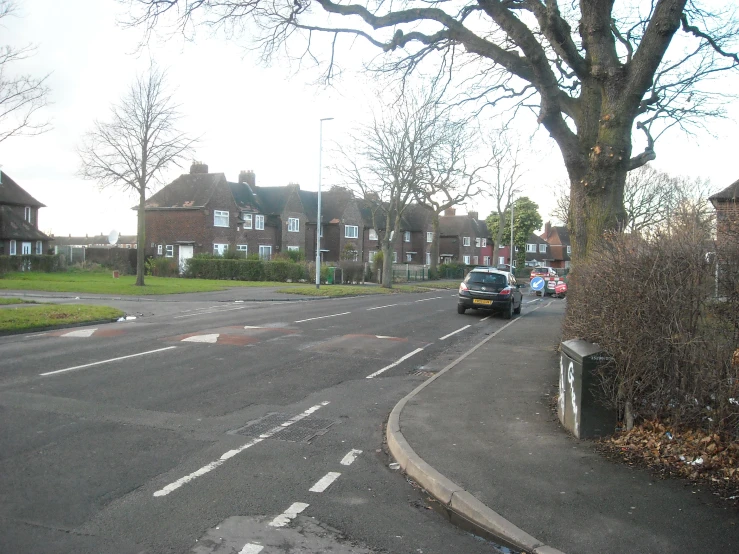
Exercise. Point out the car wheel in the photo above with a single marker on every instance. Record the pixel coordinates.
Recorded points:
(518, 310)
(461, 309)
(508, 313)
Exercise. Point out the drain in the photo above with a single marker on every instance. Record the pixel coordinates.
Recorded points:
(304, 430)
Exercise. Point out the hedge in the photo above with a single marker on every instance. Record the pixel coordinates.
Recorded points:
(245, 270)
(34, 262)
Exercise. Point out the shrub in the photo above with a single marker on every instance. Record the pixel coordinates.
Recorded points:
(353, 271)
(453, 270)
(216, 267)
(34, 262)
(162, 267)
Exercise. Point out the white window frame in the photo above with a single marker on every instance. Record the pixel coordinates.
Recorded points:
(372, 234)
(501, 259)
(465, 241)
(409, 257)
(542, 248)
(219, 248)
(428, 258)
(259, 222)
(429, 236)
(265, 248)
(531, 248)
(466, 260)
(12, 248)
(27, 212)
(478, 242)
(406, 236)
(219, 217)
(159, 249)
(474, 260)
(395, 256)
(293, 225)
(484, 242)
(371, 256)
(242, 248)
(169, 251)
(247, 220)
(321, 233)
(486, 260)
(39, 247)
(293, 248)
(348, 235)
(569, 249)
(354, 255)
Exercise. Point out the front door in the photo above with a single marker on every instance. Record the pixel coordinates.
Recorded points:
(185, 254)
(26, 248)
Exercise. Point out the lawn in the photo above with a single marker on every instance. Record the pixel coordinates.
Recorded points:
(7, 301)
(41, 316)
(356, 290)
(104, 283)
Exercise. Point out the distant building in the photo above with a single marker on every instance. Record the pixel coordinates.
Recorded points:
(19, 233)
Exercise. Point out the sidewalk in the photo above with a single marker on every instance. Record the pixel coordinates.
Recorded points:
(482, 437)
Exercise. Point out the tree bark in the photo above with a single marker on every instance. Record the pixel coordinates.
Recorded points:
(435, 243)
(141, 239)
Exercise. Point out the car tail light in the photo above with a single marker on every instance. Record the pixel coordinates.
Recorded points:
(463, 287)
(505, 291)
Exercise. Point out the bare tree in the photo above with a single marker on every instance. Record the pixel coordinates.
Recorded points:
(136, 145)
(592, 71)
(21, 95)
(388, 162)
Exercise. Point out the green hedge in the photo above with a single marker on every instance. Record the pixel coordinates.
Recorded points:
(245, 270)
(45, 264)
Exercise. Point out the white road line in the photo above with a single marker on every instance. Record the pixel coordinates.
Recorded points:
(381, 307)
(350, 457)
(325, 481)
(106, 361)
(454, 333)
(288, 515)
(231, 453)
(401, 360)
(487, 317)
(80, 333)
(322, 317)
(211, 312)
(211, 338)
(426, 299)
(250, 548)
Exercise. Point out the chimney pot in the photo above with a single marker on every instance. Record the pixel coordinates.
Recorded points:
(248, 177)
(198, 167)
(473, 215)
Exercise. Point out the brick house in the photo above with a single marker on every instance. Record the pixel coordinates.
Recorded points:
(463, 238)
(726, 204)
(538, 252)
(19, 233)
(343, 226)
(560, 249)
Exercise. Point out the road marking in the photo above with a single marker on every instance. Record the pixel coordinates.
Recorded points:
(487, 317)
(231, 453)
(250, 548)
(381, 307)
(80, 333)
(321, 317)
(325, 481)
(288, 515)
(454, 333)
(212, 338)
(211, 312)
(401, 360)
(350, 457)
(427, 299)
(106, 361)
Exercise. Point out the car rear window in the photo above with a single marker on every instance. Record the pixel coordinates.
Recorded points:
(487, 279)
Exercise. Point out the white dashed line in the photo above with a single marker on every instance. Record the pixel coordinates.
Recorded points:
(212, 338)
(325, 481)
(211, 312)
(380, 307)
(322, 317)
(484, 318)
(80, 333)
(454, 333)
(231, 453)
(427, 299)
(106, 361)
(350, 457)
(250, 548)
(288, 515)
(384, 369)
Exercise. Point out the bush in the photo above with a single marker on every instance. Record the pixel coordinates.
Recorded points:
(35, 262)
(353, 271)
(162, 267)
(215, 267)
(453, 270)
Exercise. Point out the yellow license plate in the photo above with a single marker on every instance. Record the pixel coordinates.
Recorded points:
(483, 302)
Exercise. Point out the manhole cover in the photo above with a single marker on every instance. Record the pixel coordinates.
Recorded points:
(304, 430)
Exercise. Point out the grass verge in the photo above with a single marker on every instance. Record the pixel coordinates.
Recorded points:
(334, 291)
(6, 301)
(30, 318)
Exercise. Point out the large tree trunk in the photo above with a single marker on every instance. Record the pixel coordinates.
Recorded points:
(141, 240)
(435, 244)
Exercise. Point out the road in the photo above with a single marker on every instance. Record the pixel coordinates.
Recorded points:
(225, 426)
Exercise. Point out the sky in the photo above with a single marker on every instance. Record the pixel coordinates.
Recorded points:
(249, 117)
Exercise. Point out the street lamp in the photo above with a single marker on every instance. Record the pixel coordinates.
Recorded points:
(318, 226)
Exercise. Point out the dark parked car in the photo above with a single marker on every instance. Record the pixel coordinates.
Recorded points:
(490, 289)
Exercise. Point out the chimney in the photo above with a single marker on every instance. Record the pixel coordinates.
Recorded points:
(473, 215)
(450, 211)
(547, 229)
(198, 167)
(248, 177)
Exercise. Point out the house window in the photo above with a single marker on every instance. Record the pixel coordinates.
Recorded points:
(265, 252)
(12, 248)
(465, 241)
(170, 251)
(39, 247)
(478, 241)
(159, 249)
(247, 220)
(514, 263)
(501, 259)
(259, 222)
(429, 237)
(428, 258)
(484, 242)
(466, 260)
(351, 231)
(352, 255)
(220, 218)
(486, 260)
(372, 234)
(220, 249)
(531, 248)
(293, 248)
(242, 248)
(321, 234)
(409, 257)
(542, 248)
(569, 249)
(371, 256)
(293, 225)
(395, 257)
(474, 260)
(407, 236)
(27, 214)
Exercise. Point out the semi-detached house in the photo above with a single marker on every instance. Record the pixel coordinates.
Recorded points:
(19, 233)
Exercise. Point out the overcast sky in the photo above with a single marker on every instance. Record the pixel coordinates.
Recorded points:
(250, 117)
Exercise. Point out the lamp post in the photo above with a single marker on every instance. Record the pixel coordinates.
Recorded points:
(512, 251)
(318, 224)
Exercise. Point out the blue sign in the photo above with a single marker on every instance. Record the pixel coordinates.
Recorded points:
(537, 283)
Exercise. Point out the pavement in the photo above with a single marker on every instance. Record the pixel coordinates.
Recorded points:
(483, 438)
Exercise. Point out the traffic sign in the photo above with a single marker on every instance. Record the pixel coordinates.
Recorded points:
(537, 283)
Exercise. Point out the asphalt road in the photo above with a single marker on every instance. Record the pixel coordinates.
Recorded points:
(218, 426)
